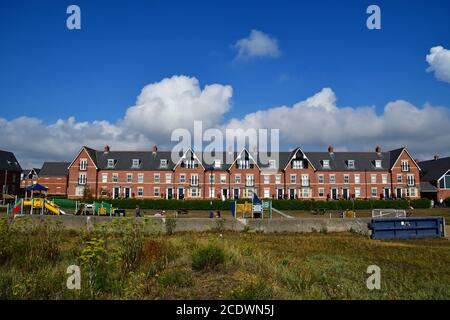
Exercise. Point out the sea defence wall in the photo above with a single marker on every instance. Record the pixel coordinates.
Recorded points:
(159, 225)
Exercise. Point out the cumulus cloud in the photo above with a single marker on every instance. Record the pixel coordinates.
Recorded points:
(177, 101)
(318, 121)
(258, 44)
(439, 61)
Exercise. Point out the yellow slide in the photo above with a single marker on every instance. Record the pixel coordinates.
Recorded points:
(50, 206)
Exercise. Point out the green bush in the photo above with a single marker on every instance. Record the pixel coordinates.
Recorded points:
(423, 203)
(175, 278)
(207, 258)
(163, 204)
(447, 202)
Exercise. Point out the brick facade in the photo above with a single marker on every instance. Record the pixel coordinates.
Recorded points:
(297, 178)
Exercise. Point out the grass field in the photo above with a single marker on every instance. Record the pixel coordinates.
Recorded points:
(126, 264)
(441, 212)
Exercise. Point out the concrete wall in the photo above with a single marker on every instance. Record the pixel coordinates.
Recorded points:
(155, 225)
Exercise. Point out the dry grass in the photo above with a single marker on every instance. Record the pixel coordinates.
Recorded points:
(256, 266)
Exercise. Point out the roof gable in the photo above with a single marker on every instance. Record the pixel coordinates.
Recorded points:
(9, 162)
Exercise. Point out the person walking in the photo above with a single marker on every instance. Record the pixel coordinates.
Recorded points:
(138, 211)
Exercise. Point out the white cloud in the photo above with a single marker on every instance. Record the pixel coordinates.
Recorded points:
(258, 44)
(318, 121)
(176, 102)
(439, 61)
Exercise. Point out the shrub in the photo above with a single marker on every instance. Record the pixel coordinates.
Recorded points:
(447, 202)
(422, 203)
(94, 261)
(175, 278)
(252, 290)
(207, 258)
(170, 224)
(163, 204)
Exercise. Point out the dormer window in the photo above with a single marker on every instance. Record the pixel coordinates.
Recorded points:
(351, 164)
(326, 164)
(136, 163)
(297, 164)
(217, 163)
(111, 163)
(163, 163)
(272, 164)
(378, 164)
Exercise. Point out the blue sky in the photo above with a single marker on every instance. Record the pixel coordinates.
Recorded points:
(49, 72)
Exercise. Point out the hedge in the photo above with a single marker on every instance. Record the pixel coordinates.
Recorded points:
(422, 203)
(447, 202)
(162, 204)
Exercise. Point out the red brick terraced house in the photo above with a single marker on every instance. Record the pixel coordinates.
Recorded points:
(53, 175)
(435, 178)
(10, 171)
(285, 175)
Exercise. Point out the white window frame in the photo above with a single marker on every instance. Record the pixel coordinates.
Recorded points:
(110, 164)
(297, 164)
(115, 177)
(83, 164)
(140, 191)
(136, 163)
(321, 192)
(351, 164)
(332, 178)
(82, 178)
(357, 178)
(140, 178)
(292, 178)
(378, 164)
(405, 165)
(157, 178)
(326, 164)
(321, 179)
(104, 178)
(129, 178)
(272, 164)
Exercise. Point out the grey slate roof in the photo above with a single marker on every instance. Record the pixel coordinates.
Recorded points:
(426, 186)
(9, 162)
(432, 170)
(54, 169)
(338, 160)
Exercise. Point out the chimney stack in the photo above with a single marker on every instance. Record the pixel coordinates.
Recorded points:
(330, 149)
(436, 157)
(155, 148)
(106, 150)
(378, 149)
